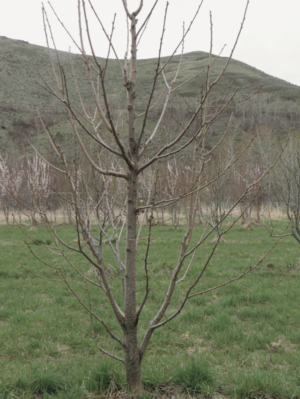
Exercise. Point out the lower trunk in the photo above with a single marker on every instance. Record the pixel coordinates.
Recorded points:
(132, 356)
(132, 361)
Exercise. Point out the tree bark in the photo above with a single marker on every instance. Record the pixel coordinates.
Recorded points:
(132, 360)
(132, 356)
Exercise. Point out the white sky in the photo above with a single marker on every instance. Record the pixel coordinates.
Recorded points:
(270, 39)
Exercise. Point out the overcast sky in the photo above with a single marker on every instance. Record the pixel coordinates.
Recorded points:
(270, 40)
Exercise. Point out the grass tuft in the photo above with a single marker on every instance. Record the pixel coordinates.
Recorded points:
(98, 379)
(195, 376)
(40, 381)
(261, 384)
(39, 241)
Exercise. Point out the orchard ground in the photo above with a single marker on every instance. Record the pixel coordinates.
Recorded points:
(241, 341)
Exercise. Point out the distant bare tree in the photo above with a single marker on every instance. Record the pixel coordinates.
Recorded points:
(11, 179)
(286, 184)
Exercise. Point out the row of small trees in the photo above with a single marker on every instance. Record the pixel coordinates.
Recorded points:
(30, 180)
(25, 182)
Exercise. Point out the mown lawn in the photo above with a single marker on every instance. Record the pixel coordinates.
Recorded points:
(244, 337)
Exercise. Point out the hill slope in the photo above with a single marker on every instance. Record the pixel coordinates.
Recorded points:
(277, 104)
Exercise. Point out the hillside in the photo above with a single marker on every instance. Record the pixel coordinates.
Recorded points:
(277, 104)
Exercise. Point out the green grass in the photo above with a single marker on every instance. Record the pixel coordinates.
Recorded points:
(242, 340)
(39, 381)
(39, 241)
(195, 376)
(98, 379)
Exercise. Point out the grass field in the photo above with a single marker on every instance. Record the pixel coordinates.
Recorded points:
(241, 341)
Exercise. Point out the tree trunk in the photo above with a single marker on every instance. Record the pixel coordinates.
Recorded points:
(132, 360)
(132, 356)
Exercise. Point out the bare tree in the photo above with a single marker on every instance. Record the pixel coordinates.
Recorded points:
(125, 155)
(173, 190)
(11, 180)
(286, 185)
